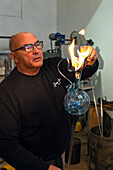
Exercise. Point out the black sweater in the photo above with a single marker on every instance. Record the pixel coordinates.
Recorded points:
(34, 126)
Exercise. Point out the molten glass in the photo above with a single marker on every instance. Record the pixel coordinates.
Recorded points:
(76, 102)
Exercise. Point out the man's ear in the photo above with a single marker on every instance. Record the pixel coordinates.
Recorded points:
(13, 56)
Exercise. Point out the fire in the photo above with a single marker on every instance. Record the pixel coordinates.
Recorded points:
(77, 62)
(82, 32)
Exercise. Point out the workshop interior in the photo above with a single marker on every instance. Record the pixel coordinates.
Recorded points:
(91, 142)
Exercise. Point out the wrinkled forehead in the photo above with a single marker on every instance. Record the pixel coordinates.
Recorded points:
(21, 39)
(27, 38)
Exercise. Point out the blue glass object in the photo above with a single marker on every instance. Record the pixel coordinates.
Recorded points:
(76, 102)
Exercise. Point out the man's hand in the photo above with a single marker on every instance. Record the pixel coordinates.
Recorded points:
(92, 54)
(51, 167)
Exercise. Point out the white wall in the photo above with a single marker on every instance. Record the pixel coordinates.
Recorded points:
(96, 16)
(100, 28)
(74, 14)
(37, 16)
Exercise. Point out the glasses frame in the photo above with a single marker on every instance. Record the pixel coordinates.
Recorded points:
(41, 44)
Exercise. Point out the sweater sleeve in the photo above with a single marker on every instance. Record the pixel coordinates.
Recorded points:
(89, 71)
(10, 148)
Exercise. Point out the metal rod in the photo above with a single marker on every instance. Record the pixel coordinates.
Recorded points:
(94, 98)
(71, 140)
(101, 118)
(101, 104)
(77, 79)
(5, 36)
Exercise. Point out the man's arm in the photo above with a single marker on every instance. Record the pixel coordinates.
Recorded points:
(91, 62)
(88, 71)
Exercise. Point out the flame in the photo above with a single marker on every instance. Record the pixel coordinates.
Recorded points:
(77, 62)
(82, 32)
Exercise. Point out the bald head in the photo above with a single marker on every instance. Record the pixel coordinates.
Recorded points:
(18, 39)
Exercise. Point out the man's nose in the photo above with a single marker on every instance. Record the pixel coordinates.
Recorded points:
(35, 49)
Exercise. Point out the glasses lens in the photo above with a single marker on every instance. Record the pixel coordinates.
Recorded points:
(29, 48)
(39, 45)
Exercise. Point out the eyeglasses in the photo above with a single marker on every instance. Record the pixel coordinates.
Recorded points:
(30, 47)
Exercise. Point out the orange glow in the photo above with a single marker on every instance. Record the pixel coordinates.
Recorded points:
(82, 32)
(77, 62)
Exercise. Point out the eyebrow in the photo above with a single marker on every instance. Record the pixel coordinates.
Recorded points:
(32, 44)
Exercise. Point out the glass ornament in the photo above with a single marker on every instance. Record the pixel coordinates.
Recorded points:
(76, 102)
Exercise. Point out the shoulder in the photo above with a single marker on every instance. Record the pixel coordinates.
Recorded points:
(10, 77)
(10, 82)
(53, 60)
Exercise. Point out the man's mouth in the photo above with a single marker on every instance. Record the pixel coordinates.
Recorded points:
(37, 58)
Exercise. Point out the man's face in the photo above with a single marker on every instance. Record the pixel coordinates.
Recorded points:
(27, 62)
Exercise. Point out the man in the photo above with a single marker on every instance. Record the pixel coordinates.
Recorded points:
(34, 127)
